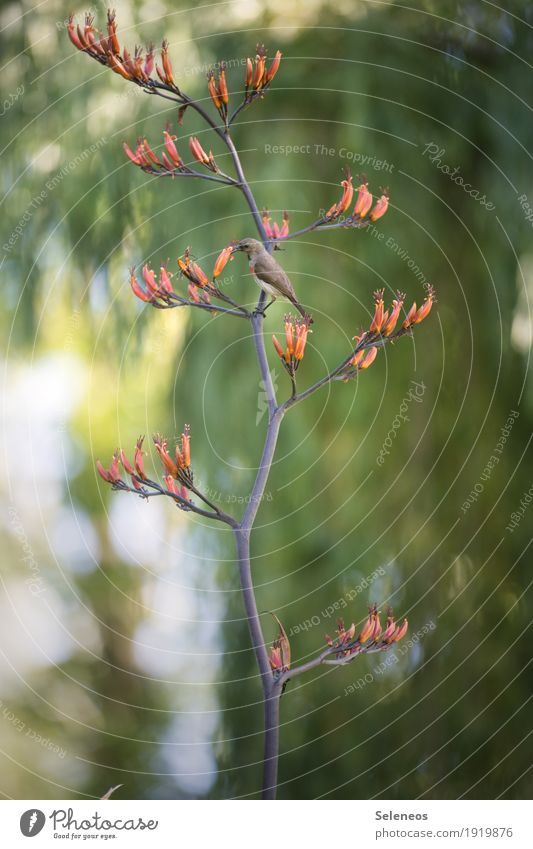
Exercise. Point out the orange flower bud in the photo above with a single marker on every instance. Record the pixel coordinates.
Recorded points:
(346, 199)
(277, 346)
(302, 329)
(126, 463)
(361, 197)
(275, 657)
(133, 156)
(222, 260)
(390, 324)
(167, 163)
(172, 149)
(165, 280)
(167, 65)
(149, 279)
(377, 321)
(137, 290)
(197, 151)
(213, 91)
(410, 317)
(272, 71)
(117, 66)
(103, 472)
(149, 152)
(193, 293)
(166, 459)
(199, 277)
(149, 61)
(222, 85)
(401, 631)
(176, 488)
(425, 309)
(249, 73)
(112, 33)
(356, 359)
(72, 34)
(390, 629)
(289, 335)
(368, 628)
(259, 72)
(138, 458)
(285, 226)
(369, 359)
(380, 208)
(186, 446)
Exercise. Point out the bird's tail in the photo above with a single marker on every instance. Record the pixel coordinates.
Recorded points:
(301, 310)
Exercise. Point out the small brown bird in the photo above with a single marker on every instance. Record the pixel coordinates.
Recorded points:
(269, 274)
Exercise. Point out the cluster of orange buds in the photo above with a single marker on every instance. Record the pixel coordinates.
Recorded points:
(258, 77)
(136, 471)
(384, 323)
(383, 327)
(155, 290)
(280, 651)
(146, 159)
(107, 50)
(274, 231)
(364, 200)
(364, 357)
(199, 284)
(363, 213)
(218, 90)
(372, 637)
(296, 331)
(177, 468)
(201, 156)
(345, 201)
(415, 316)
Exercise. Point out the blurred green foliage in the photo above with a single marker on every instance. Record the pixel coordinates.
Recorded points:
(381, 82)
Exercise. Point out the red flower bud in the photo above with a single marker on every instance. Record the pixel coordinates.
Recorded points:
(126, 463)
(165, 280)
(138, 458)
(172, 149)
(103, 472)
(135, 158)
(137, 290)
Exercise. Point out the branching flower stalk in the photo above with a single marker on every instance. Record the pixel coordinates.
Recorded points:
(201, 291)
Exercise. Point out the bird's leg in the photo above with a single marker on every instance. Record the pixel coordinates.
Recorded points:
(263, 311)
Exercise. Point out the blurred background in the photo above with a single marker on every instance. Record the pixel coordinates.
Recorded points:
(124, 655)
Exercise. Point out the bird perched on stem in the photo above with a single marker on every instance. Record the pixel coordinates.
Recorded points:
(269, 274)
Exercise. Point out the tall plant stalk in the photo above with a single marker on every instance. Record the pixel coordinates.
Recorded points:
(275, 667)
